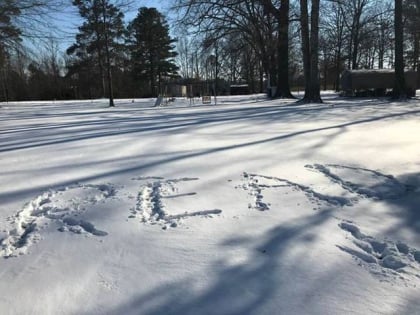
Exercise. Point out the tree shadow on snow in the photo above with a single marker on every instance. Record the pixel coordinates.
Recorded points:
(107, 124)
(407, 208)
(176, 121)
(251, 286)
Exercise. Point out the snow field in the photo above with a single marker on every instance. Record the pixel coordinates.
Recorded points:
(247, 207)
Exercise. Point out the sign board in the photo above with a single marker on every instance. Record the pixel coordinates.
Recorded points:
(206, 99)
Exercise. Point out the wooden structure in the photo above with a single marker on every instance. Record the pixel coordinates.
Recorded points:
(374, 82)
(239, 89)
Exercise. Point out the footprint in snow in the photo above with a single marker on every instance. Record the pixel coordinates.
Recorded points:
(152, 197)
(381, 257)
(62, 207)
(256, 184)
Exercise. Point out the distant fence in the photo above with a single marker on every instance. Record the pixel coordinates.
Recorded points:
(374, 82)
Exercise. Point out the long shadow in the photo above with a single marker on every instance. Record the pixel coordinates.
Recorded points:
(259, 285)
(407, 208)
(186, 154)
(75, 131)
(263, 273)
(411, 306)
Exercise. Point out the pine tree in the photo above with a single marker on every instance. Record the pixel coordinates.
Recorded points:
(99, 38)
(151, 48)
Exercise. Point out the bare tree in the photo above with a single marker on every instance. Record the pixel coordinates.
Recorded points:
(357, 8)
(355, 34)
(261, 25)
(333, 25)
(36, 19)
(361, 20)
(53, 66)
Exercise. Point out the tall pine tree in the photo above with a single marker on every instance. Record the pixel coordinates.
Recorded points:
(151, 49)
(99, 39)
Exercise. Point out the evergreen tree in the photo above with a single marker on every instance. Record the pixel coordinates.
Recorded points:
(151, 48)
(98, 39)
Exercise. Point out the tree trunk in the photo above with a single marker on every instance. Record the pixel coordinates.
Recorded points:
(108, 58)
(337, 69)
(418, 46)
(399, 91)
(416, 65)
(355, 49)
(283, 87)
(280, 77)
(381, 53)
(109, 75)
(310, 51)
(304, 20)
(101, 73)
(416, 51)
(261, 74)
(216, 72)
(314, 49)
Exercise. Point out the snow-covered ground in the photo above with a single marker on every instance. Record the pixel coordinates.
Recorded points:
(250, 206)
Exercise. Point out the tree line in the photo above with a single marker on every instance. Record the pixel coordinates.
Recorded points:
(108, 57)
(303, 43)
(284, 44)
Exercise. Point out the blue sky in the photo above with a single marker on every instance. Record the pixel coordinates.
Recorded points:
(68, 20)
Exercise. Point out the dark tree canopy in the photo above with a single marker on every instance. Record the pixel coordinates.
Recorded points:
(151, 49)
(99, 40)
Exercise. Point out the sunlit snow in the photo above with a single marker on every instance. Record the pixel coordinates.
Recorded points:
(250, 206)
